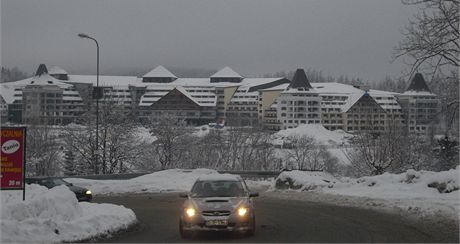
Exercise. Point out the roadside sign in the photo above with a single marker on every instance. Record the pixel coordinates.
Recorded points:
(13, 142)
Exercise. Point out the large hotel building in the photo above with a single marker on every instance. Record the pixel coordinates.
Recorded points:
(55, 97)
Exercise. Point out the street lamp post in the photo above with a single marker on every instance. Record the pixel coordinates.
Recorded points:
(97, 96)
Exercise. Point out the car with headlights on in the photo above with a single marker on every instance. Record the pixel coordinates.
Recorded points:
(81, 193)
(218, 202)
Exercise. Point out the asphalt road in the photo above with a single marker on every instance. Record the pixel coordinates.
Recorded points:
(278, 220)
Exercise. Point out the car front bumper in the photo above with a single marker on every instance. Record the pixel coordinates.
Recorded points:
(235, 224)
(84, 197)
(229, 228)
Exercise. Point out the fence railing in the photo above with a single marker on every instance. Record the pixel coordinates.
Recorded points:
(125, 176)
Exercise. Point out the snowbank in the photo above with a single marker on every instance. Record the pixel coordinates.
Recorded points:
(412, 184)
(166, 180)
(317, 131)
(55, 215)
(304, 180)
(424, 192)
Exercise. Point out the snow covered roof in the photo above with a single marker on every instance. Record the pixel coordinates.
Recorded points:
(352, 99)
(7, 92)
(56, 70)
(277, 88)
(387, 100)
(160, 72)
(417, 93)
(41, 78)
(105, 80)
(47, 80)
(226, 72)
(206, 82)
(203, 97)
(334, 88)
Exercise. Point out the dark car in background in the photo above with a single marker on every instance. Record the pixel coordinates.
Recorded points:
(81, 193)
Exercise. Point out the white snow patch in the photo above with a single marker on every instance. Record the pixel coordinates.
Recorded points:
(408, 191)
(307, 180)
(201, 131)
(161, 181)
(55, 215)
(317, 131)
(144, 135)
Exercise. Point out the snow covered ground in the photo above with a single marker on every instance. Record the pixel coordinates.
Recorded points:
(402, 192)
(317, 131)
(407, 192)
(55, 215)
(162, 181)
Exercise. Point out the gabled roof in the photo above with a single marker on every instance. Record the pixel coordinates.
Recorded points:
(160, 72)
(226, 73)
(300, 80)
(418, 84)
(355, 98)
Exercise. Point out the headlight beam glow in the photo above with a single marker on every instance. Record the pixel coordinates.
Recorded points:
(242, 211)
(190, 212)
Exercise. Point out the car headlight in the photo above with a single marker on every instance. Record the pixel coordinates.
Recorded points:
(242, 211)
(88, 192)
(190, 212)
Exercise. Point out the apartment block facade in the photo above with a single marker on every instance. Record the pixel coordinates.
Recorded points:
(56, 97)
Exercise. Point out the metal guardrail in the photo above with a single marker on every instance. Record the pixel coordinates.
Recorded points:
(125, 176)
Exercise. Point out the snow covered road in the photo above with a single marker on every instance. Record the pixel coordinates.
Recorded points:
(283, 220)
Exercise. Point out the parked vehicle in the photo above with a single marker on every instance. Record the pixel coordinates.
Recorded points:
(218, 203)
(81, 193)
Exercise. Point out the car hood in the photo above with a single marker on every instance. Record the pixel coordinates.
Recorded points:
(217, 203)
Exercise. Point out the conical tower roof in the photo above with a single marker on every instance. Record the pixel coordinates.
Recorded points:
(41, 70)
(418, 84)
(300, 80)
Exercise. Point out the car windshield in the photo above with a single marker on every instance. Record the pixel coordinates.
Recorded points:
(218, 189)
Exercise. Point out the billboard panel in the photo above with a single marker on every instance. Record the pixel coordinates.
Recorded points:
(12, 143)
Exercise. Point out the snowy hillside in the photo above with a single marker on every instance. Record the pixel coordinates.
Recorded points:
(55, 215)
(317, 131)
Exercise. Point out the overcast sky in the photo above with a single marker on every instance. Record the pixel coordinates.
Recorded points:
(254, 37)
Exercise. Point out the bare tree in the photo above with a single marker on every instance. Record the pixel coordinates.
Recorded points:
(413, 152)
(43, 150)
(373, 154)
(117, 148)
(169, 130)
(302, 147)
(431, 38)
